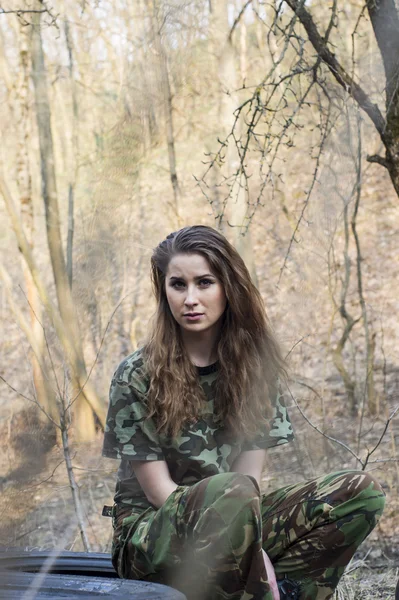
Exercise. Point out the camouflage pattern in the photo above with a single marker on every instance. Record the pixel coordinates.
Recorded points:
(202, 449)
(207, 539)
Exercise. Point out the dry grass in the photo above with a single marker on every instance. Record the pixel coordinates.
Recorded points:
(366, 584)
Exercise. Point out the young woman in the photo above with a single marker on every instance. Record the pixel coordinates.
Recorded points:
(191, 416)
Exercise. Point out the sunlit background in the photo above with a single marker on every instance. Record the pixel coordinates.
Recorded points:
(129, 119)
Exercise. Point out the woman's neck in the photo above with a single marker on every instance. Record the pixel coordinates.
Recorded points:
(201, 347)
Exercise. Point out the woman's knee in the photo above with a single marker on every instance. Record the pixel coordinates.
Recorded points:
(364, 487)
(228, 503)
(371, 493)
(228, 493)
(236, 484)
(235, 498)
(361, 499)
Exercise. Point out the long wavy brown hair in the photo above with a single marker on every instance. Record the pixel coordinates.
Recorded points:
(249, 359)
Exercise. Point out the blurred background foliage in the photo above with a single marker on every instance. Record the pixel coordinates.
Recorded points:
(122, 121)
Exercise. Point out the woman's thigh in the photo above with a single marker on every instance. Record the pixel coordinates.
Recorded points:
(184, 527)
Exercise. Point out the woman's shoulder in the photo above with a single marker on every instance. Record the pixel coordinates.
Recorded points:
(131, 371)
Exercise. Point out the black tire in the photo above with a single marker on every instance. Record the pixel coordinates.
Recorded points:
(14, 585)
(92, 564)
(74, 575)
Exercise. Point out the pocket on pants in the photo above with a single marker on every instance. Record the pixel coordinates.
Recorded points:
(129, 560)
(134, 563)
(149, 541)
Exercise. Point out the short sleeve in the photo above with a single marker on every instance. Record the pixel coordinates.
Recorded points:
(279, 431)
(128, 433)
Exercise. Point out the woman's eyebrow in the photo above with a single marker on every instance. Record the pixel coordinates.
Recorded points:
(197, 277)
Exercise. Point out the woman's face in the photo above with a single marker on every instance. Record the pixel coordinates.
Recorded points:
(195, 295)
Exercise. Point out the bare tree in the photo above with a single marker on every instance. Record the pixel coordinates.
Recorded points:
(24, 180)
(73, 169)
(306, 72)
(385, 23)
(64, 316)
(164, 81)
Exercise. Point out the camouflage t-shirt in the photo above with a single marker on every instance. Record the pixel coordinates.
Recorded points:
(202, 449)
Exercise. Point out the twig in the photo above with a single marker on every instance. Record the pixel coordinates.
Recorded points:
(295, 345)
(99, 349)
(47, 478)
(32, 400)
(322, 432)
(370, 452)
(342, 77)
(73, 485)
(238, 18)
(21, 11)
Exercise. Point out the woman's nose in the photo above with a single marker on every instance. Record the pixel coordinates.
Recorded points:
(191, 297)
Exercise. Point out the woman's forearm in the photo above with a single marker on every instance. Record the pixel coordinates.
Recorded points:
(161, 493)
(250, 462)
(155, 480)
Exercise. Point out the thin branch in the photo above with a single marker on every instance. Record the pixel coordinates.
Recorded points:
(74, 486)
(21, 11)
(32, 400)
(369, 453)
(238, 19)
(322, 432)
(295, 345)
(81, 389)
(341, 76)
(47, 478)
(382, 460)
(307, 198)
(33, 312)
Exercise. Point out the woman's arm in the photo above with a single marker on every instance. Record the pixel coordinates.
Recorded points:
(250, 462)
(154, 479)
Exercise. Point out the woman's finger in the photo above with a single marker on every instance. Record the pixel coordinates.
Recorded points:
(271, 577)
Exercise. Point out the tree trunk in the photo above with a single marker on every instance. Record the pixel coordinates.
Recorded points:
(74, 153)
(348, 320)
(237, 210)
(167, 105)
(346, 378)
(385, 21)
(243, 49)
(80, 377)
(44, 394)
(72, 480)
(83, 412)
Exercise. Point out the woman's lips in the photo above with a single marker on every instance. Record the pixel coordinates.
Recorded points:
(193, 316)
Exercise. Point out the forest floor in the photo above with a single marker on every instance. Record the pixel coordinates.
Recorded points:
(366, 584)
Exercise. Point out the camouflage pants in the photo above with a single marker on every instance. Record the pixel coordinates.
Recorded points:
(207, 539)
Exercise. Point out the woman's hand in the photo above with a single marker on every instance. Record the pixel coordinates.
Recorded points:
(271, 577)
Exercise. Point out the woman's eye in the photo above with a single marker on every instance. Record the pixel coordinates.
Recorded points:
(178, 285)
(205, 282)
